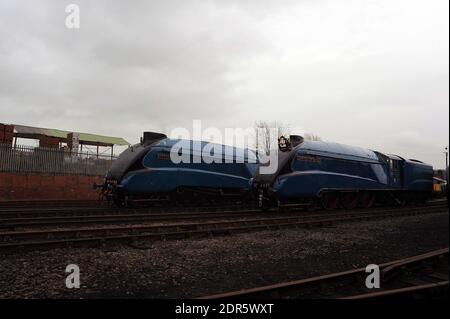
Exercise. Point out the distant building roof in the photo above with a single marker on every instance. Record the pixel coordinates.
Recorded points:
(85, 138)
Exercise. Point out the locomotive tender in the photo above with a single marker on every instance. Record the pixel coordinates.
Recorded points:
(309, 173)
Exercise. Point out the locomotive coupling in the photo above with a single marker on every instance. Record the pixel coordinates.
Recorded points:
(102, 186)
(97, 186)
(107, 186)
(262, 193)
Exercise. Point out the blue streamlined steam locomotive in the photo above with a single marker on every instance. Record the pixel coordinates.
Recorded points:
(332, 175)
(146, 172)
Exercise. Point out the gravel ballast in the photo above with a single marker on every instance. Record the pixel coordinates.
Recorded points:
(197, 267)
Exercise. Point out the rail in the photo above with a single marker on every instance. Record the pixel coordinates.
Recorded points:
(417, 275)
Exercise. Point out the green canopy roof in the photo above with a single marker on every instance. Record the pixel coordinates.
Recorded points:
(85, 138)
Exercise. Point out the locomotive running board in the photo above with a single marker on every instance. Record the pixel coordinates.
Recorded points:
(148, 200)
(297, 206)
(300, 205)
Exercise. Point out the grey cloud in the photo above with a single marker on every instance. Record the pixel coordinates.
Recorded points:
(373, 74)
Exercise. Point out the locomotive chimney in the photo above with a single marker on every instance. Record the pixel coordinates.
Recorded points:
(296, 140)
(150, 137)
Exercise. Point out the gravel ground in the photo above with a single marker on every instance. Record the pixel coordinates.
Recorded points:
(192, 268)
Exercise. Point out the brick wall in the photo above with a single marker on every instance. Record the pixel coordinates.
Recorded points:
(14, 186)
(6, 134)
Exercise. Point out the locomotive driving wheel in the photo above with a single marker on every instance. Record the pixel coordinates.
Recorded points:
(367, 200)
(349, 200)
(120, 202)
(330, 201)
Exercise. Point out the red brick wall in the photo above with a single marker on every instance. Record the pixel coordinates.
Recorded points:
(15, 186)
(6, 133)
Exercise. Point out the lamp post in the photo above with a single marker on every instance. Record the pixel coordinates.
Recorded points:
(446, 157)
(446, 171)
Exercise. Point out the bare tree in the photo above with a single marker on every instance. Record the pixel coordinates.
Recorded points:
(312, 137)
(267, 134)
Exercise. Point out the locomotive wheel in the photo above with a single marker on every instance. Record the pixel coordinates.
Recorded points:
(279, 206)
(313, 205)
(403, 201)
(409, 200)
(119, 202)
(349, 200)
(330, 201)
(367, 200)
(420, 201)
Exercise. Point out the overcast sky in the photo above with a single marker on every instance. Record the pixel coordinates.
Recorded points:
(368, 73)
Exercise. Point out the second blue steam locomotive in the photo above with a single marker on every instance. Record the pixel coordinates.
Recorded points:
(332, 175)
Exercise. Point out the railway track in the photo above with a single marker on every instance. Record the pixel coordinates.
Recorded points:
(136, 216)
(424, 275)
(48, 203)
(79, 210)
(75, 211)
(124, 218)
(64, 208)
(61, 237)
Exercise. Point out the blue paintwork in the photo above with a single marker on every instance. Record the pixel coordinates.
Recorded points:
(322, 165)
(340, 151)
(418, 176)
(315, 166)
(161, 175)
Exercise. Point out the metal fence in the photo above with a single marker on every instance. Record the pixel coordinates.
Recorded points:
(28, 159)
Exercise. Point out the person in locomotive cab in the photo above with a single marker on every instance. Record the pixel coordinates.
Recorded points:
(284, 144)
